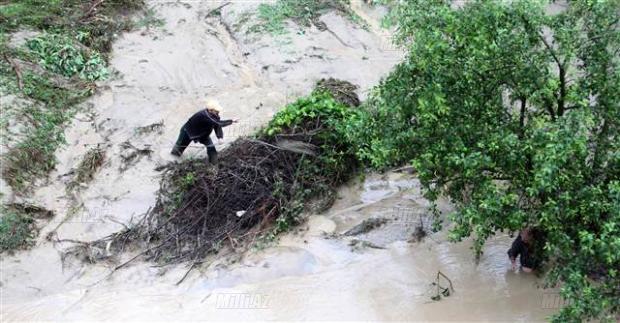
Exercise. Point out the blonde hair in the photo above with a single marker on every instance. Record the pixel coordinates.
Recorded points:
(212, 104)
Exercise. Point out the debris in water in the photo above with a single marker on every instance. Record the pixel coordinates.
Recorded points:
(85, 252)
(154, 127)
(90, 164)
(358, 245)
(442, 291)
(418, 233)
(217, 10)
(343, 91)
(366, 226)
(131, 155)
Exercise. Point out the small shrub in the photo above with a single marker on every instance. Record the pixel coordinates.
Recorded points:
(16, 230)
(63, 55)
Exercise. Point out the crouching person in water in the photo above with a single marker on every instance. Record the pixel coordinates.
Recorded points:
(523, 246)
(198, 129)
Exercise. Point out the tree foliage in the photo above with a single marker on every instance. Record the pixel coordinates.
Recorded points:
(512, 111)
(321, 111)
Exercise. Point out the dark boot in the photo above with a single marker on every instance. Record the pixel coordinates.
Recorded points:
(182, 143)
(212, 153)
(176, 151)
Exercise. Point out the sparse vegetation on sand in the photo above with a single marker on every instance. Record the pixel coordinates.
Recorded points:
(305, 13)
(53, 71)
(17, 225)
(49, 73)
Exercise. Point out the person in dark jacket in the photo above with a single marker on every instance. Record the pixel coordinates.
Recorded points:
(199, 127)
(523, 247)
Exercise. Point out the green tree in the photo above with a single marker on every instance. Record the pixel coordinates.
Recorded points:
(512, 111)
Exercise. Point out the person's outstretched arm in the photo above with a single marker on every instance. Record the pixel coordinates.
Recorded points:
(219, 133)
(218, 124)
(226, 123)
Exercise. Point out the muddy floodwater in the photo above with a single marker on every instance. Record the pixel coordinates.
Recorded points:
(315, 272)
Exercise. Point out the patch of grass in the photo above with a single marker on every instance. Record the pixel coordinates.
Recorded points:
(188, 180)
(34, 157)
(17, 230)
(36, 13)
(62, 55)
(242, 20)
(56, 70)
(149, 19)
(18, 225)
(305, 13)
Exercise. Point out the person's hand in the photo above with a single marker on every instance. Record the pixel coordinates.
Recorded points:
(220, 141)
(527, 270)
(235, 120)
(514, 264)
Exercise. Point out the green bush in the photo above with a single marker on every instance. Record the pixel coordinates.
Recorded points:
(316, 175)
(16, 230)
(62, 55)
(337, 158)
(381, 134)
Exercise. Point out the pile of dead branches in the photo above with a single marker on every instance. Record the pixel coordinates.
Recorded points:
(200, 206)
(257, 182)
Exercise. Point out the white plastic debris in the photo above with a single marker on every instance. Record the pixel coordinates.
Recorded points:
(240, 213)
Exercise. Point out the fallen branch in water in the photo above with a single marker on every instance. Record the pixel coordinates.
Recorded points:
(188, 271)
(216, 9)
(442, 291)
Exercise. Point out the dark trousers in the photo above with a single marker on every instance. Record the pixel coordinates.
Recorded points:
(184, 140)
